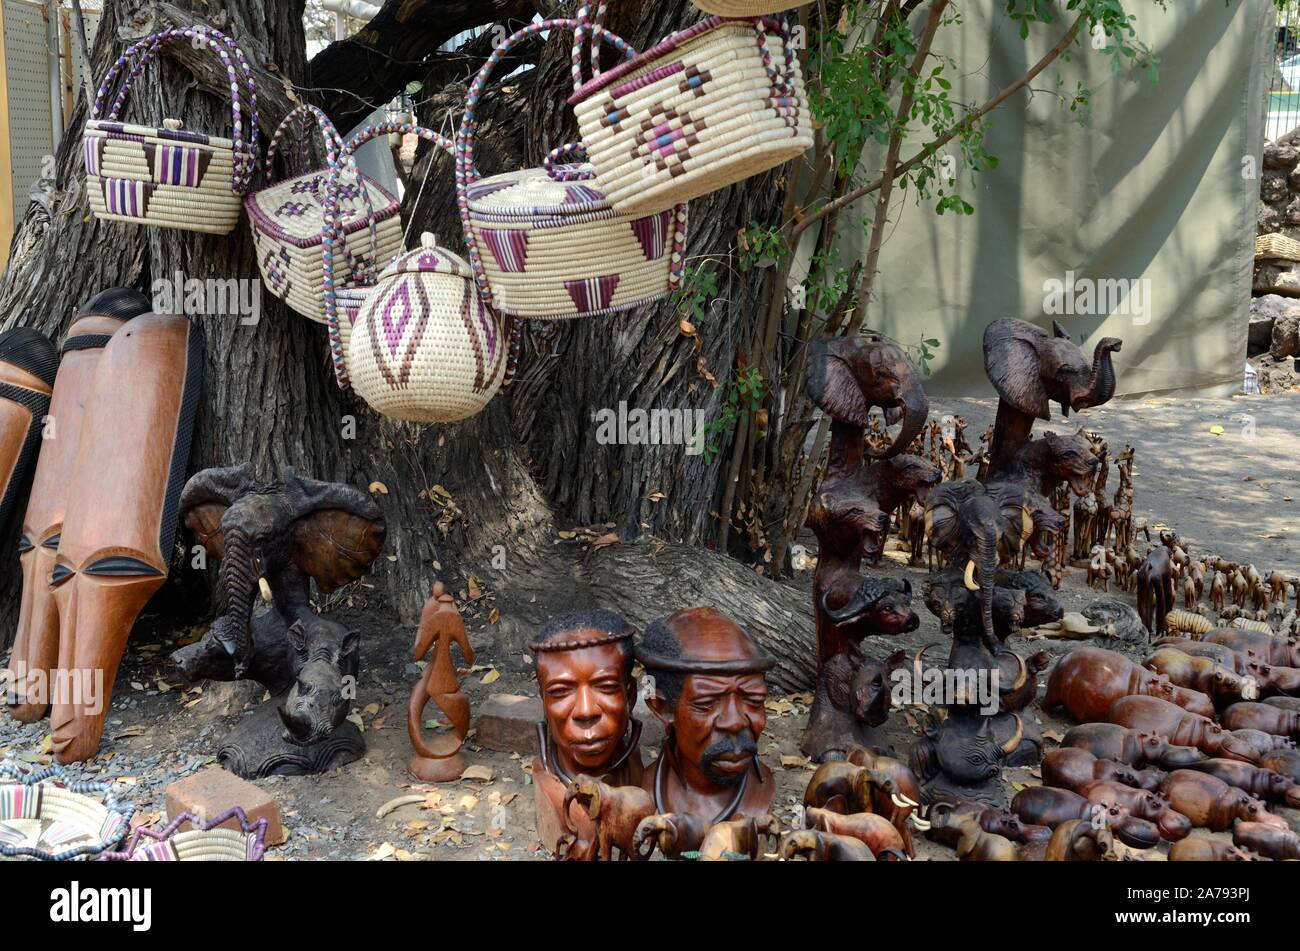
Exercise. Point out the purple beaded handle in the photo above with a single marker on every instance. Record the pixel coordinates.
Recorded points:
(576, 152)
(333, 227)
(256, 829)
(466, 174)
(245, 154)
(362, 271)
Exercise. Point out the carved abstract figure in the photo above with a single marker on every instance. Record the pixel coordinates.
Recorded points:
(584, 676)
(1030, 369)
(36, 647)
(710, 695)
(120, 521)
(276, 538)
(439, 760)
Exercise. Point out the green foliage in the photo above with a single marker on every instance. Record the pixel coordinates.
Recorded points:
(762, 246)
(697, 289)
(925, 352)
(743, 394)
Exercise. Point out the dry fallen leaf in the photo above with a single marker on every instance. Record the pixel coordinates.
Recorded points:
(379, 487)
(478, 772)
(604, 541)
(491, 677)
(474, 592)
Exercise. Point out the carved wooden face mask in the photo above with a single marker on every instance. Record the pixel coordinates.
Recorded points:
(587, 694)
(36, 647)
(121, 515)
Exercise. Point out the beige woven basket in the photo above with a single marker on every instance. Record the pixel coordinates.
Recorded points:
(288, 223)
(43, 820)
(706, 108)
(425, 348)
(211, 841)
(1277, 247)
(747, 8)
(169, 176)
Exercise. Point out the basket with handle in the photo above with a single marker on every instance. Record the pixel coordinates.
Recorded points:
(748, 8)
(287, 220)
(422, 346)
(545, 243)
(170, 176)
(44, 815)
(707, 107)
(212, 841)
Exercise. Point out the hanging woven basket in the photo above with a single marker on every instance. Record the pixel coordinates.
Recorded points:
(288, 223)
(748, 8)
(546, 243)
(170, 176)
(708, 107)
(203, 842)
(425, 348)
(45, 816)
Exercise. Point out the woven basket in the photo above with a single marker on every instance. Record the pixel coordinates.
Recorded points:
(1277, 247)
(748, 8)
(206, 842)
(287, 221)
(43, 816)
(706, 108)
(546, 243)
(425, 348)
(169, 176)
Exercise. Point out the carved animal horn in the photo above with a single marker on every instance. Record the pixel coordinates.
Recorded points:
(918, 670)
(1024, 671)
(1010, 746)
(265, 587)
(968, 579)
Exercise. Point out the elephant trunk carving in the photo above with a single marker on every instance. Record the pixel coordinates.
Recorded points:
(237, 585)
(1102, 385)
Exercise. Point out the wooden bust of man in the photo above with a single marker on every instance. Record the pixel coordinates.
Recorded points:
(584, 675)
(710, 694)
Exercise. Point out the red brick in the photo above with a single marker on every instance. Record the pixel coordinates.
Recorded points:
(212, 791)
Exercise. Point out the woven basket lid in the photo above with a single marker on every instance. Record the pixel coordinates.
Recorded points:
(292, 211)
(428, 258)
(531, 192)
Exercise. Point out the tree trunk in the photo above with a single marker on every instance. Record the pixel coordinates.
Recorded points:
(531, 460)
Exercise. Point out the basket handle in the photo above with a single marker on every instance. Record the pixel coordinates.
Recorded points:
(782, 79)
(145, 50)
(565, 171)
(466, 174)
(333, 229)
(595, 25)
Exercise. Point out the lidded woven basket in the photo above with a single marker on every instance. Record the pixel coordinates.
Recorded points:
(553, 247)
(425, 348)
(708, 107)
(170, 176)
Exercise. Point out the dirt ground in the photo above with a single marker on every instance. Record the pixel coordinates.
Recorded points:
(1231, 493)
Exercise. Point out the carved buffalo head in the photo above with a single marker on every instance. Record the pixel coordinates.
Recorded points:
(1031, 368)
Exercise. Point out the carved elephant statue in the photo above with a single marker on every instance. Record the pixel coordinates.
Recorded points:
(739, 839)
(673, 834)
(1030, 369)
(815, 846)
(615, 811)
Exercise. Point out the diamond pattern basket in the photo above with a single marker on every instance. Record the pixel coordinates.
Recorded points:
(708, 107)
(288, 223)
(748, 8)
(45, 816)
(170, 176)
(546, 243)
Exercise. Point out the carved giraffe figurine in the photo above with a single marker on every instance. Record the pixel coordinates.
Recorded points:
(439, 760)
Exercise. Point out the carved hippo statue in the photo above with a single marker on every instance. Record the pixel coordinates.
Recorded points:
(1073, 767)
(1203, 675)
(1212, 804)
(1131, 747)
(1089, 679)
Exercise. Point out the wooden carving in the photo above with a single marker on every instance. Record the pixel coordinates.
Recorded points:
(439, 760)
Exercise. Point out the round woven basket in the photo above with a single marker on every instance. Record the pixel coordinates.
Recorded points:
(425, 348)
(546, 243)
(205, 842)
(57, 821)
(748, 8)
(171, 177)
(708, 107)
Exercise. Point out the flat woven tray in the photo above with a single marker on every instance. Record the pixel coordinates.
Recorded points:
(1277, 247)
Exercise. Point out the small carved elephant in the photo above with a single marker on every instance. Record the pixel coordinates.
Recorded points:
(615, 811)
(739, 838)
(815, 846)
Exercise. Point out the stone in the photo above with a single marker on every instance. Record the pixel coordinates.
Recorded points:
(1274, 188)
(1281, 155)
(210, 792)
(1286, 334)
(507, 723)
(1112, 610)
(1268, 219)
(229, 698)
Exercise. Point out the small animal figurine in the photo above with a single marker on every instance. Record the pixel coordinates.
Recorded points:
(1089, 679)
(1155, 590)
(616, 812)
(1267, 840)
(1072, 768)
(1080, 840)
(739, 839)
(673, 834)
(1206, 849)
(1262, 716)
(1212, 804)
(1109, 741)
(1048, 806)
(875, 832)
(439, 760)
(1188, 622)
(1202, 674)
(1267, 784)
(1153, 807)
(945, 827)
(812, 845)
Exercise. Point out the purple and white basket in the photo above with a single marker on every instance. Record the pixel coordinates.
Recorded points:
(547, 243)
(211, 841)
(170, 176)
(288, 223)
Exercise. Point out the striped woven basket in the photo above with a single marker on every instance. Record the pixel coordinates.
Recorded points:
(1277, 247)
(546, 243)
(169, 176)
(748, 8)
(288, 223)
(204, 842)
(44, 816)
(425, 348)
(706, 108)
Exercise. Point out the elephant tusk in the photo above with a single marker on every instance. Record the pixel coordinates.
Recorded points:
(903, 802)
(969, 577)
(922, 824)
(265, 587)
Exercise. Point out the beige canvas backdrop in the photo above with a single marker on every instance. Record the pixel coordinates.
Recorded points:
(1160, 186)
